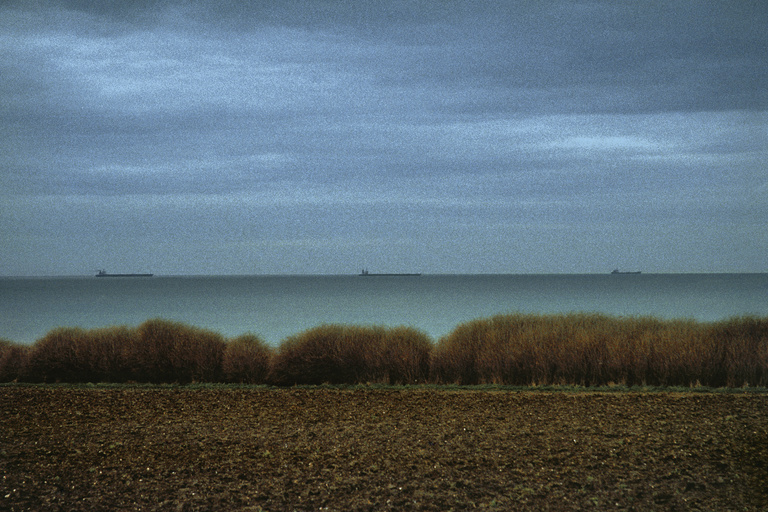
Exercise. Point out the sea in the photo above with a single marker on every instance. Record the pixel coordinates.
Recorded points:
(276, 307)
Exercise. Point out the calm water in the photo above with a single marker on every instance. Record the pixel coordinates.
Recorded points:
(278, 306)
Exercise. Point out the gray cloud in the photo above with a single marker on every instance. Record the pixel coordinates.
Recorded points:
(450, 133)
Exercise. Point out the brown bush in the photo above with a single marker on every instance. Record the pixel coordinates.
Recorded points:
(406, 355)
(516, 349)
(60, 356)
(246, 360)
(72, 354)
(338, 354)
(333, 354)
(108, 353)
(156, 351)
(167, 351)
(13, 360)
(592, 349)
(743, 350)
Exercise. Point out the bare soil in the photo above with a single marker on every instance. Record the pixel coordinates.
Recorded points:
(230, 448)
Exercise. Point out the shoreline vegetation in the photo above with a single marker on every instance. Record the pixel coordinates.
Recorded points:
(585, 350)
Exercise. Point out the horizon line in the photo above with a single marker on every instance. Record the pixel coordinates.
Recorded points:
(409, 274)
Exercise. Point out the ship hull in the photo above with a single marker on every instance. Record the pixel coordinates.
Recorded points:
(104, 274)
(365, 274)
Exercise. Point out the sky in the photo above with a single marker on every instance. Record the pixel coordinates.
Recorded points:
(323, 137)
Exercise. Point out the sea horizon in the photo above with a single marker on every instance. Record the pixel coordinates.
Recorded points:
(277, 306)
(395, 274)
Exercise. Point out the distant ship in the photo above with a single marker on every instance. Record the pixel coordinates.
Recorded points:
(365, 273)
(617, 271)
(104, 273)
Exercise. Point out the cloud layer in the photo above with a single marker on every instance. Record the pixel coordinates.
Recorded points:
(319, 137)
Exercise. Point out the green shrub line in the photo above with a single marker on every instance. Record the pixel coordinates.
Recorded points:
(507, 352)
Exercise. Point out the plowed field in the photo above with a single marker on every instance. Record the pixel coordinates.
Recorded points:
(179, 449)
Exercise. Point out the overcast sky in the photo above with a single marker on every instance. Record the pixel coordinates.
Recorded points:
(436, 136)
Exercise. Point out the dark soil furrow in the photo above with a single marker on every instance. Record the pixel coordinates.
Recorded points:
(161, 448)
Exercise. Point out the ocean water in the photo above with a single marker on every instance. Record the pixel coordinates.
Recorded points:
(275, 307)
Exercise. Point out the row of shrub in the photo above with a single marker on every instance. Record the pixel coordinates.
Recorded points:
(514, 349)
(597, 350)
(162, 351)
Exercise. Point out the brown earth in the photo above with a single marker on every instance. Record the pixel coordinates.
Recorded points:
(230, 448)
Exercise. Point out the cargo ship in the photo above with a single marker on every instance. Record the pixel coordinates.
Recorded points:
(104, 273)
(617, 271)
(365, 273)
